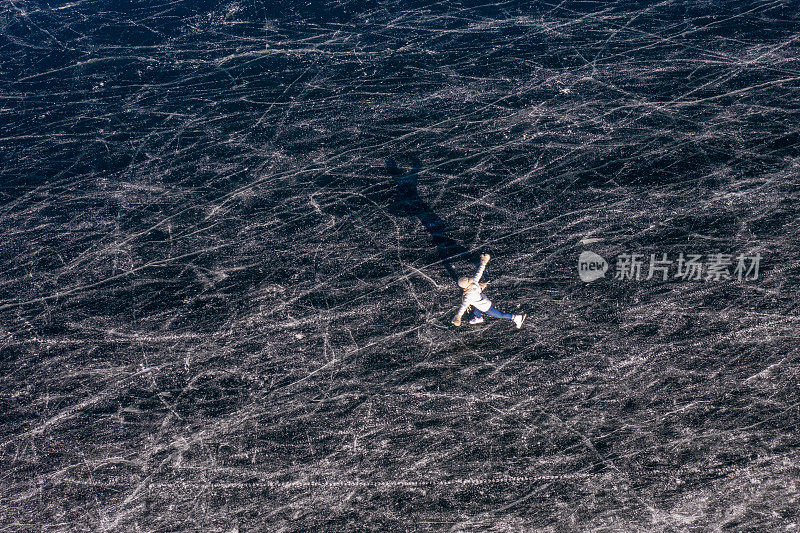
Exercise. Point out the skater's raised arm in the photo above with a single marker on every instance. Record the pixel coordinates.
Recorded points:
(484, 259)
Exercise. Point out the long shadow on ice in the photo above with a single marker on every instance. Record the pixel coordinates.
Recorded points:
(408, 203)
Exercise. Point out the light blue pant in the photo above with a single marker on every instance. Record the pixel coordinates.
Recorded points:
(492, 312)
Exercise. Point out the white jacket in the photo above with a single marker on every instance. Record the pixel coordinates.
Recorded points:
(474, 296)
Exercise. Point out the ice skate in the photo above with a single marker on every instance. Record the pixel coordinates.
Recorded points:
(519, 319)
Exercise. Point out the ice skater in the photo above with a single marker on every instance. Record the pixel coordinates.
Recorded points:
(473, 297)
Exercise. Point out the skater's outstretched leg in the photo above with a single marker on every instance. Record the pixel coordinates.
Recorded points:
(516, 319)
(494, 312)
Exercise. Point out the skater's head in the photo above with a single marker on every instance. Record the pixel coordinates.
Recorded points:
(464, 283)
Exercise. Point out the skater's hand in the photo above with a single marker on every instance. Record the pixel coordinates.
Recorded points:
(485, 258)
(456, 322)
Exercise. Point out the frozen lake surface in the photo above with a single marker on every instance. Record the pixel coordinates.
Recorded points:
(229, 238)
